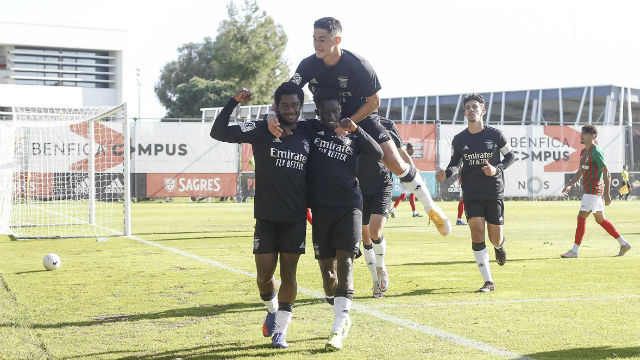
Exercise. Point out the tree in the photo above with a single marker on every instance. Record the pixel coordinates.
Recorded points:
(247, 52)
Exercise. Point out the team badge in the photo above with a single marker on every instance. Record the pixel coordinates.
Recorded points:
(296, 78)
(277, 140)
(490, 144)
(170, 184)
(247, 126)
(343, 81)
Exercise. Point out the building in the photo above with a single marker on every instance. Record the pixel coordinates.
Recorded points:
(60, 66)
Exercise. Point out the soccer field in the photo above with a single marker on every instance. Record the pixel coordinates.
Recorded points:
(183, 287)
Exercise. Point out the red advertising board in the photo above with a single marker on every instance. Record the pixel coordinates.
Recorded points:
(187, 185)
(423, 139)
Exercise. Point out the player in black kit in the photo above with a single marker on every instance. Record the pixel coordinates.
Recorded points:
(479, 147)
(280, 201)
(357, 85)
(376, 183)
(336, 202)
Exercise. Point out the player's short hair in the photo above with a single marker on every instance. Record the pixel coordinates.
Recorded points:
(590, 129)
(288, 88)
(324, 94)
(332, 25)
(409, 146)
(470, 97)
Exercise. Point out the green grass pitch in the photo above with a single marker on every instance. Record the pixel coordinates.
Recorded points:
(182, 288)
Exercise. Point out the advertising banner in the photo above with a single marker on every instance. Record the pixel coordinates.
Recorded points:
(191, 185)
(161, 148)
(423, 139)
(544, 154)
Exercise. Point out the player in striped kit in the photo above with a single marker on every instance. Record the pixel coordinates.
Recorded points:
(596, 184)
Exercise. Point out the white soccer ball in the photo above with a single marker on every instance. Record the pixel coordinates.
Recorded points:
(51, 261)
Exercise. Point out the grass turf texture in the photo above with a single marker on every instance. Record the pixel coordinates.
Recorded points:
(125, 299)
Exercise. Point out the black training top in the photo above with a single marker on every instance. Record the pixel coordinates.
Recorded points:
(473, 150)
(353, 76)
(373, 175)
(280, 165)
(332, 169)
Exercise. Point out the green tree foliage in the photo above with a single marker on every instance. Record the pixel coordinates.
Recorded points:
(247, 52)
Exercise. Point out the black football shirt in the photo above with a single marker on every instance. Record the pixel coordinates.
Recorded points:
(280, 165)
(352, 76)
(332, 168)
(373, 175)
(473, 150)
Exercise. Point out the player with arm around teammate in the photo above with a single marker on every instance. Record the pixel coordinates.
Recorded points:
(596, 184)
(479, 147)
(357, 84)
(336, 202)
(280, 200)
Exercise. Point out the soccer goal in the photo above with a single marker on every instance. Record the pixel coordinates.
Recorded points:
(64, 172)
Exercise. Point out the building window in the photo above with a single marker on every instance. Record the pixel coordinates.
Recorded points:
(62, 67)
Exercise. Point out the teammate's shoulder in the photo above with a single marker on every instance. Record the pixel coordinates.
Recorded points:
(387, 123)
(353, 58)
(492, 129)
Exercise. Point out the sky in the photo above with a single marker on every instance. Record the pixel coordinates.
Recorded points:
(417, 47)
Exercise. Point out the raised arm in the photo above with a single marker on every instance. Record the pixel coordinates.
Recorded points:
(221, 130)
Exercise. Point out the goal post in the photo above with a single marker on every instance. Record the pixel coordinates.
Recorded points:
(65, 172)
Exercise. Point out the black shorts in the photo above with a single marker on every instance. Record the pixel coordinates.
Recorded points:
(377, 203)
(371, 125)
(279, 236)
(492, 210)
(336, 228)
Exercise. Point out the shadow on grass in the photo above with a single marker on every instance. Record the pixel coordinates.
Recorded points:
(245, 236)
(492, 262)
(232, 350)
(202, 311)
(592, 353)
(194, 232)
(30, 271)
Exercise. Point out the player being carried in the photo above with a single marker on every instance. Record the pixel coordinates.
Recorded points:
(280, 201)
(479, 147)
(376, 184)
(336, 202)
(595, 174)
(357, 83)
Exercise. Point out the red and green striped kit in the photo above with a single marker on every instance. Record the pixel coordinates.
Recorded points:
(592, 162)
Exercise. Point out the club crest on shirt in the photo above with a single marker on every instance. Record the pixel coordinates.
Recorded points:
(490, 144)
(247, 126)
(296, 78)
(276, 140)
(343, 81)
(170, 184)
(305, 143)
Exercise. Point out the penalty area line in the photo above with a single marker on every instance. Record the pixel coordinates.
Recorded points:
(456, 339)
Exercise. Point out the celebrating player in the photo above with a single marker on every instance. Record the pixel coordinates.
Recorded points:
(479, 147)
(358, 86)
(336, 203)
(595, 173)
(280, 201)
(376, 184)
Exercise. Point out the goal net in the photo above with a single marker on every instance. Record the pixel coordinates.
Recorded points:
(64, 173)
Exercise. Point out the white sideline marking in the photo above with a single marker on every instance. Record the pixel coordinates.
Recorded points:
(436, 304)
(361, 308)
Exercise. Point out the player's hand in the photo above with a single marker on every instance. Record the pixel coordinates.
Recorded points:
(242, 96)
(607, 198)
(348, 125)
(273, 124)
(441, 175)
(566, 190)
(489, 169)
